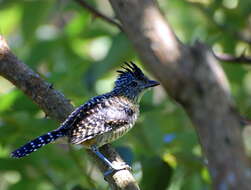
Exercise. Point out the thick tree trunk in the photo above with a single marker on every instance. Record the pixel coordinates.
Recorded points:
(192, 77)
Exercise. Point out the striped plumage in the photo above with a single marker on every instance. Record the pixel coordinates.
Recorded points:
(110, 118)
(103, 118)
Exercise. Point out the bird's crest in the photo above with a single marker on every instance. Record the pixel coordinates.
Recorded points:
(131, 69)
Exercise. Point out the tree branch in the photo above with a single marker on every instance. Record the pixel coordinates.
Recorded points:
(55, 105)
(96, 13)
(41, 92)
(192, 76)
(230, 58)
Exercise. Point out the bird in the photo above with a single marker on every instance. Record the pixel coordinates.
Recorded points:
(101, 120)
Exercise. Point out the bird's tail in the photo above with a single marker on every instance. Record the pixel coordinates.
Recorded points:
(37, 143)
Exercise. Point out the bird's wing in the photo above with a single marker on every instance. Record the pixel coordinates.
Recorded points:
(87, 128)
(103, 119)
(80, 113)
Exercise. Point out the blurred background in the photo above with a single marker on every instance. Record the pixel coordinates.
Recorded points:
(79, 55)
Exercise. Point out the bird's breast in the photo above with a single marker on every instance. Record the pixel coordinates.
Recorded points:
(113, 135)
(128, 114)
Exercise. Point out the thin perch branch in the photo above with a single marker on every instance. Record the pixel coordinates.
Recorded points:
(51, 101)
(55, 105)
(97, 13)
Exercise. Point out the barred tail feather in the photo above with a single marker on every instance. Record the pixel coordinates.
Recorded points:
(37, 143)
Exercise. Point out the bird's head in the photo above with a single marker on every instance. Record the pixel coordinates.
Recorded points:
(132, 82)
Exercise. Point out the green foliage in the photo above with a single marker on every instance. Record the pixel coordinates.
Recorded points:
(79, 55)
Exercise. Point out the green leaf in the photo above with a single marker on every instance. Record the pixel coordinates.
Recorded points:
(120, 51)
(6, 100)
(34, 13)
(156, 174)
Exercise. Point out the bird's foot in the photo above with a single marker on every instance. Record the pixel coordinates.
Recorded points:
(116, 167)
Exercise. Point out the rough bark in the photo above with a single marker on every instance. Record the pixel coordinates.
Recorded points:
(55, 105)
(52, 102)
(191, 76)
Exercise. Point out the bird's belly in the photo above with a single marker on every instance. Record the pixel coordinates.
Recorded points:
(113, 135)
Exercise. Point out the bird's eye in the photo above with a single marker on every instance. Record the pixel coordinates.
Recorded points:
(133, 84)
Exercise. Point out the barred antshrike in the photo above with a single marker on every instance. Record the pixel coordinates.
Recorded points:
(103, 118)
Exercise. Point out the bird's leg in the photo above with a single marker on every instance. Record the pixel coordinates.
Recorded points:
(113, 167)
(101, 156)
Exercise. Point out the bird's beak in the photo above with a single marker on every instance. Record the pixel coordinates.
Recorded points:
(152, 83)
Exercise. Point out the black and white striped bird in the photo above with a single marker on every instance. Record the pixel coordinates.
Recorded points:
(103, 118)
